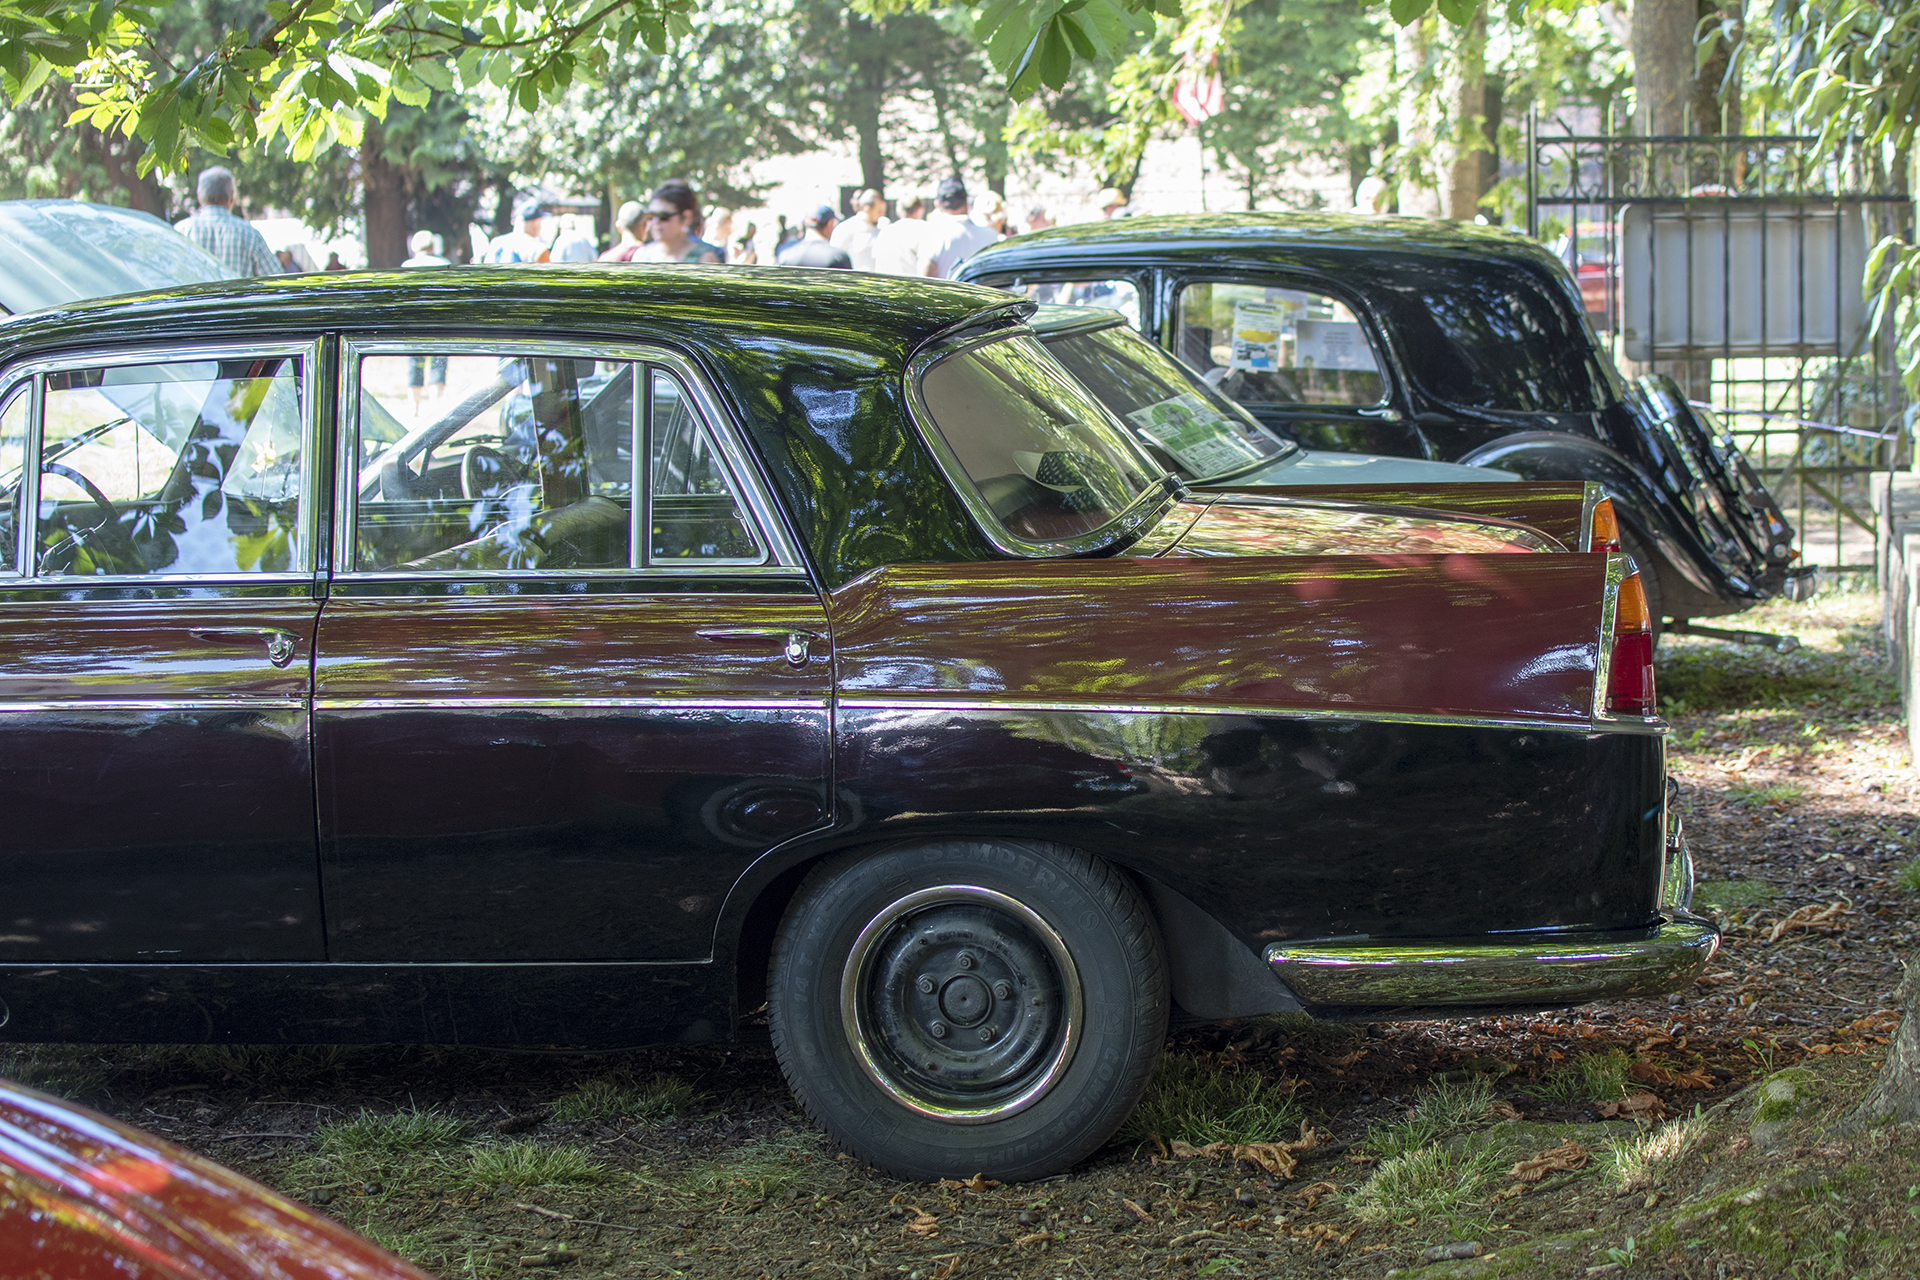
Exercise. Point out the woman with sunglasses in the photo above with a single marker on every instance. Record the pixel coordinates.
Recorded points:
(672, 212)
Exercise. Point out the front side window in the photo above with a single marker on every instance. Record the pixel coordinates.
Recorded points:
(1262, 344)
(528, 464)
(1046, 459)
(13, 453)
(1186, 425)
(190, 467)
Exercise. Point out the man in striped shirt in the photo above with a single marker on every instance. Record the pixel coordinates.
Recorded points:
(233, 241)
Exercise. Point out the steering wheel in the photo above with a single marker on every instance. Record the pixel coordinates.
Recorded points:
(485, 472)
(111, 518)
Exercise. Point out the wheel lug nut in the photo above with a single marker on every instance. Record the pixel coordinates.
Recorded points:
(987, 1034)
(938, 1030)
(1003, 990)
(925, 985)
(964, 960)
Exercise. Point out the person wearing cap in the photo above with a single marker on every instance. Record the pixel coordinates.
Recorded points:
(952, 236)
(1113, 203)
(630, 220)
(858, 234)
(816, 248)
(526, 242)
(1038, 219)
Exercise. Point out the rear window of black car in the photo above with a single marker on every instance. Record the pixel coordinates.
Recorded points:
(1492, 342)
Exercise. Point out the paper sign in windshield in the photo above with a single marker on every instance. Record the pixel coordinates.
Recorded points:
(1200, 437)
(1257, 327)
(1330, 344)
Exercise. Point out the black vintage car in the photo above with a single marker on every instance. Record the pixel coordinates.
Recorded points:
(578, 656)
(1436, 340)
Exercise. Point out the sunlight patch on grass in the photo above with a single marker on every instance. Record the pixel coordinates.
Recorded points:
(399, 1132)
(1591, 1077)
(1732, 895)
(1774, 793)
(1425, 1183)
(1438, 1114)
(1634, 1164)
(1190, 1100)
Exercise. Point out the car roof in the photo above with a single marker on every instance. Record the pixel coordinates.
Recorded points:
(58, 251)
(727, 304)
(1357, 242)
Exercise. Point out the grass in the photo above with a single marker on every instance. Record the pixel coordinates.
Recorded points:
(528, 1164)
(1908, 877)
(1591, 1077)
(1727, 896)
(1442, 1112)
(1191, 1100)
(1428, 1182)
(1774, 793)
(762, 1168)
(395, 1134)
(609, 1098)
(1636, 1163)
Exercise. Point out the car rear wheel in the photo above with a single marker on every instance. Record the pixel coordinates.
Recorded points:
(968, 1007)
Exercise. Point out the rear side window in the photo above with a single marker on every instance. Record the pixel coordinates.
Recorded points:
(1491, 342)
(185, 468)
(1048, 462)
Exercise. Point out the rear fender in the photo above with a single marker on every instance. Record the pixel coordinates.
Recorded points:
(1640, 503)
(1558, 509)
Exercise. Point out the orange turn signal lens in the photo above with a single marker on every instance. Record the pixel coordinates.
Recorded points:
(1630, 678)
(1603, 529)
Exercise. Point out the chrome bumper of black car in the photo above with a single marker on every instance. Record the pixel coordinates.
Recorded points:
(1571, 969)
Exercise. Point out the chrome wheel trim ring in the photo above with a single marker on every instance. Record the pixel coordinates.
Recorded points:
(853, 1012)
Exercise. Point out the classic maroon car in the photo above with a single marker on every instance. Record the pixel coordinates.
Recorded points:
(83, 1197)
(579, 656)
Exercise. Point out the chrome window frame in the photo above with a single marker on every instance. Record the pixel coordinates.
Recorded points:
(779, 557)
(312, 487)
(1590, 496)
(1376, 342)
(22, 551)
(1128, 525)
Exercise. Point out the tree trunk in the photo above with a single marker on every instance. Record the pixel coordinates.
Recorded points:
(1662, 39)
(1412, 49)
(384, 186)
(1895, 1096)
(864, 97)
(1461, 174)
(942, 116)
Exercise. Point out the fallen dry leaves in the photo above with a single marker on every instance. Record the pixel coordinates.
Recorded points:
(1641, 1106)
(1276, 1158)
(975, 1183)
(1653, 1073)
(1808, 917)
(1568, 1155)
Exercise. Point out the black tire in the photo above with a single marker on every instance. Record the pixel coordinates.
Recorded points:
(957, 968)
(1649, 566)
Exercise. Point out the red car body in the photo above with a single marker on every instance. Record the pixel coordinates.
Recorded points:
(83, 1197)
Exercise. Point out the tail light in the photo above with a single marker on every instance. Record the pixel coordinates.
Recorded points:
(1603, 529)
(1630, 678)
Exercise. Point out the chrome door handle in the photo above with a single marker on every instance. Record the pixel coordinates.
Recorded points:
(281, 645)
(795, 646)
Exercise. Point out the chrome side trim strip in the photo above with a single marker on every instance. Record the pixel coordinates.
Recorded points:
(267, 702)
(1590, 496)
(944, 702)
(509, 704)
(1564, 971)
(1676, 868)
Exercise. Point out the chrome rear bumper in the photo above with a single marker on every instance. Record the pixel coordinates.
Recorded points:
(1569, 969)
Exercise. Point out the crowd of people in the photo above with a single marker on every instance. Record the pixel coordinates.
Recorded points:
(928, 237)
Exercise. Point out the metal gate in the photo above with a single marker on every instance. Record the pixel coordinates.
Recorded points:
(1734, 264)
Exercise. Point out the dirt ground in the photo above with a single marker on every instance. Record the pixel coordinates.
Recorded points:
(1682, 1137)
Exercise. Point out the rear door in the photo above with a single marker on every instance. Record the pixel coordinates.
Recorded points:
(572, 677)
(157, 612)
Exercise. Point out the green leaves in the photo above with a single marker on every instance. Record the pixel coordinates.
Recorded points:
(1036, 44)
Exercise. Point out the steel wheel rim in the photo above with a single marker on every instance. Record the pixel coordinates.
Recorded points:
(1037, 1027)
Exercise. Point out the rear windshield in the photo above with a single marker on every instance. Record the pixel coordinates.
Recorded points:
(1187, 426)
(1492, 342)
(1048, 462)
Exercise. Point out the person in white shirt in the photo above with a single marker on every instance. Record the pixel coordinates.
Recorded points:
(952, 236)
(901, 247)
(858, 234)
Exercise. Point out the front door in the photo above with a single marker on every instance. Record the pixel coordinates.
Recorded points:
(571, 677)
(156, 623)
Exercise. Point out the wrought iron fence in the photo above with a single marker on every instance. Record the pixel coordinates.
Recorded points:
(1734, 263)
